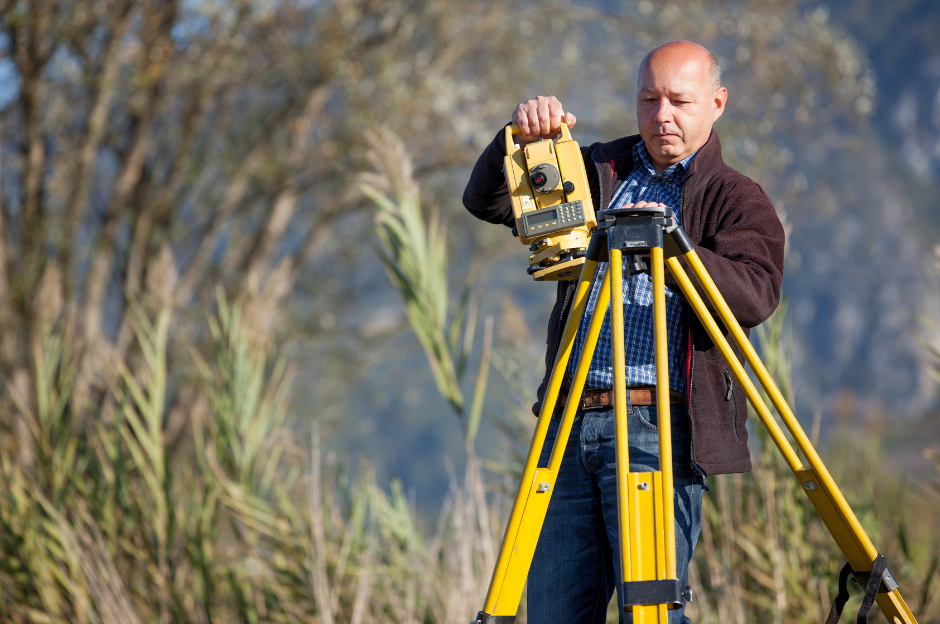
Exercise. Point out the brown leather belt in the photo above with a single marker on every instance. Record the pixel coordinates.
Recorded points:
(605, 398)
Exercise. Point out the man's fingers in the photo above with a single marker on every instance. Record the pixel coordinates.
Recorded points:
(521, 119)
(541, 117)
(555, 115)
(544, 115)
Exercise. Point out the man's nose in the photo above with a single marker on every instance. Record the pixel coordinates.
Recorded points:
(663, 112)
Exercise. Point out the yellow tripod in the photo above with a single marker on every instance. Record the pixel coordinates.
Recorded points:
(646, 512)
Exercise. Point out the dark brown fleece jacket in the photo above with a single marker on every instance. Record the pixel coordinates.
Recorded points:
(738, 236)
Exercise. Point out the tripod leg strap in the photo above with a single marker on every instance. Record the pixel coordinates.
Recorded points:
(839, 603)
(871, 590)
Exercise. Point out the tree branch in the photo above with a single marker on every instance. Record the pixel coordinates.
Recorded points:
(158, 29)
(97, 123)
(261, 251)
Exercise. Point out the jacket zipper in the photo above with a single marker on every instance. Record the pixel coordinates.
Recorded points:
(690, 354)
(690, 368)
(734, 407)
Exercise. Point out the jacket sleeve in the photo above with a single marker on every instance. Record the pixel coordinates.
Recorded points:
(487, 196)
(744, 252)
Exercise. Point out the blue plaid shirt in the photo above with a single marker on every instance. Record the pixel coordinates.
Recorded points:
(643, 184)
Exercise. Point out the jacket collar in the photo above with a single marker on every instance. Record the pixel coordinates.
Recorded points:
(618, 155)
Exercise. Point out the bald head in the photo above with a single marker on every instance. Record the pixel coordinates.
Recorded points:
(678, 98)
(687, 50)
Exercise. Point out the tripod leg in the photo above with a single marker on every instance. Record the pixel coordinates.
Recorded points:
(815, 479)
(663, 410)
(615, 276)
(531, 504)
(641, 515)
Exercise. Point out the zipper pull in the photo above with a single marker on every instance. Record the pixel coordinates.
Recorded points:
(728, 396)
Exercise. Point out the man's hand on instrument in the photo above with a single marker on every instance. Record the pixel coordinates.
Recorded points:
(646, 204)
(540, 118)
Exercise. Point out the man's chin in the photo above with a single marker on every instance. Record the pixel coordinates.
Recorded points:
(664, 153)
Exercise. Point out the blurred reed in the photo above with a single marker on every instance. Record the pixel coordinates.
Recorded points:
(107, 521)
(129, 516)
(415, 258)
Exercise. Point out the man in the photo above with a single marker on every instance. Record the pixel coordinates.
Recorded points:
(675, 161)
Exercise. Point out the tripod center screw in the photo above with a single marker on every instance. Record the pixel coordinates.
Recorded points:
(809, 485)
(643, 486)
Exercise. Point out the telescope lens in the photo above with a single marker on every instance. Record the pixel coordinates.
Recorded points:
(544, 177)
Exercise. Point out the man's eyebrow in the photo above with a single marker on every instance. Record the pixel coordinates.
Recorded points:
(684, 95)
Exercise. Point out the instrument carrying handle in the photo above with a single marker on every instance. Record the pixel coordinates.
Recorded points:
(514, 128)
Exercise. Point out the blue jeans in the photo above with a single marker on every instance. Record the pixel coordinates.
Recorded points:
(577, 561)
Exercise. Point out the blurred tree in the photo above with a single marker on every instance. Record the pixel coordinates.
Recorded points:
(229, 133)
(221, 131)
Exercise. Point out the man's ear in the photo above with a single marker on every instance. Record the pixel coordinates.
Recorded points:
(718, 103)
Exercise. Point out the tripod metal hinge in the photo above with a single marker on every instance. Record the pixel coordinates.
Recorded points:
(888, 582)
(676, 242)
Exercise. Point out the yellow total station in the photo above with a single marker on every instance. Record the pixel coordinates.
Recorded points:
(551, 202)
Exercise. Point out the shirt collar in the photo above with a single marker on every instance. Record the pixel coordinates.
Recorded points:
(642, 155)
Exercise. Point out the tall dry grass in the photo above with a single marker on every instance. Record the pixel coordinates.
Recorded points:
(104, 518)
(113, 510)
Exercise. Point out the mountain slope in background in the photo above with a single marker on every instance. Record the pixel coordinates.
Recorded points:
(863, 262)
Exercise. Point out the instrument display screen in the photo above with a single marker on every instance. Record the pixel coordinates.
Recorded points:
(544, 217)
(554, 219)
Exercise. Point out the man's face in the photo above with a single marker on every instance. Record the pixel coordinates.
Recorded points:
(675, 108)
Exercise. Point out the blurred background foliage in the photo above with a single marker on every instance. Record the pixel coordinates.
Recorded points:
(233, 326)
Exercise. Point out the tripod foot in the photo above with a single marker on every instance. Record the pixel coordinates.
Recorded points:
(483, 618)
